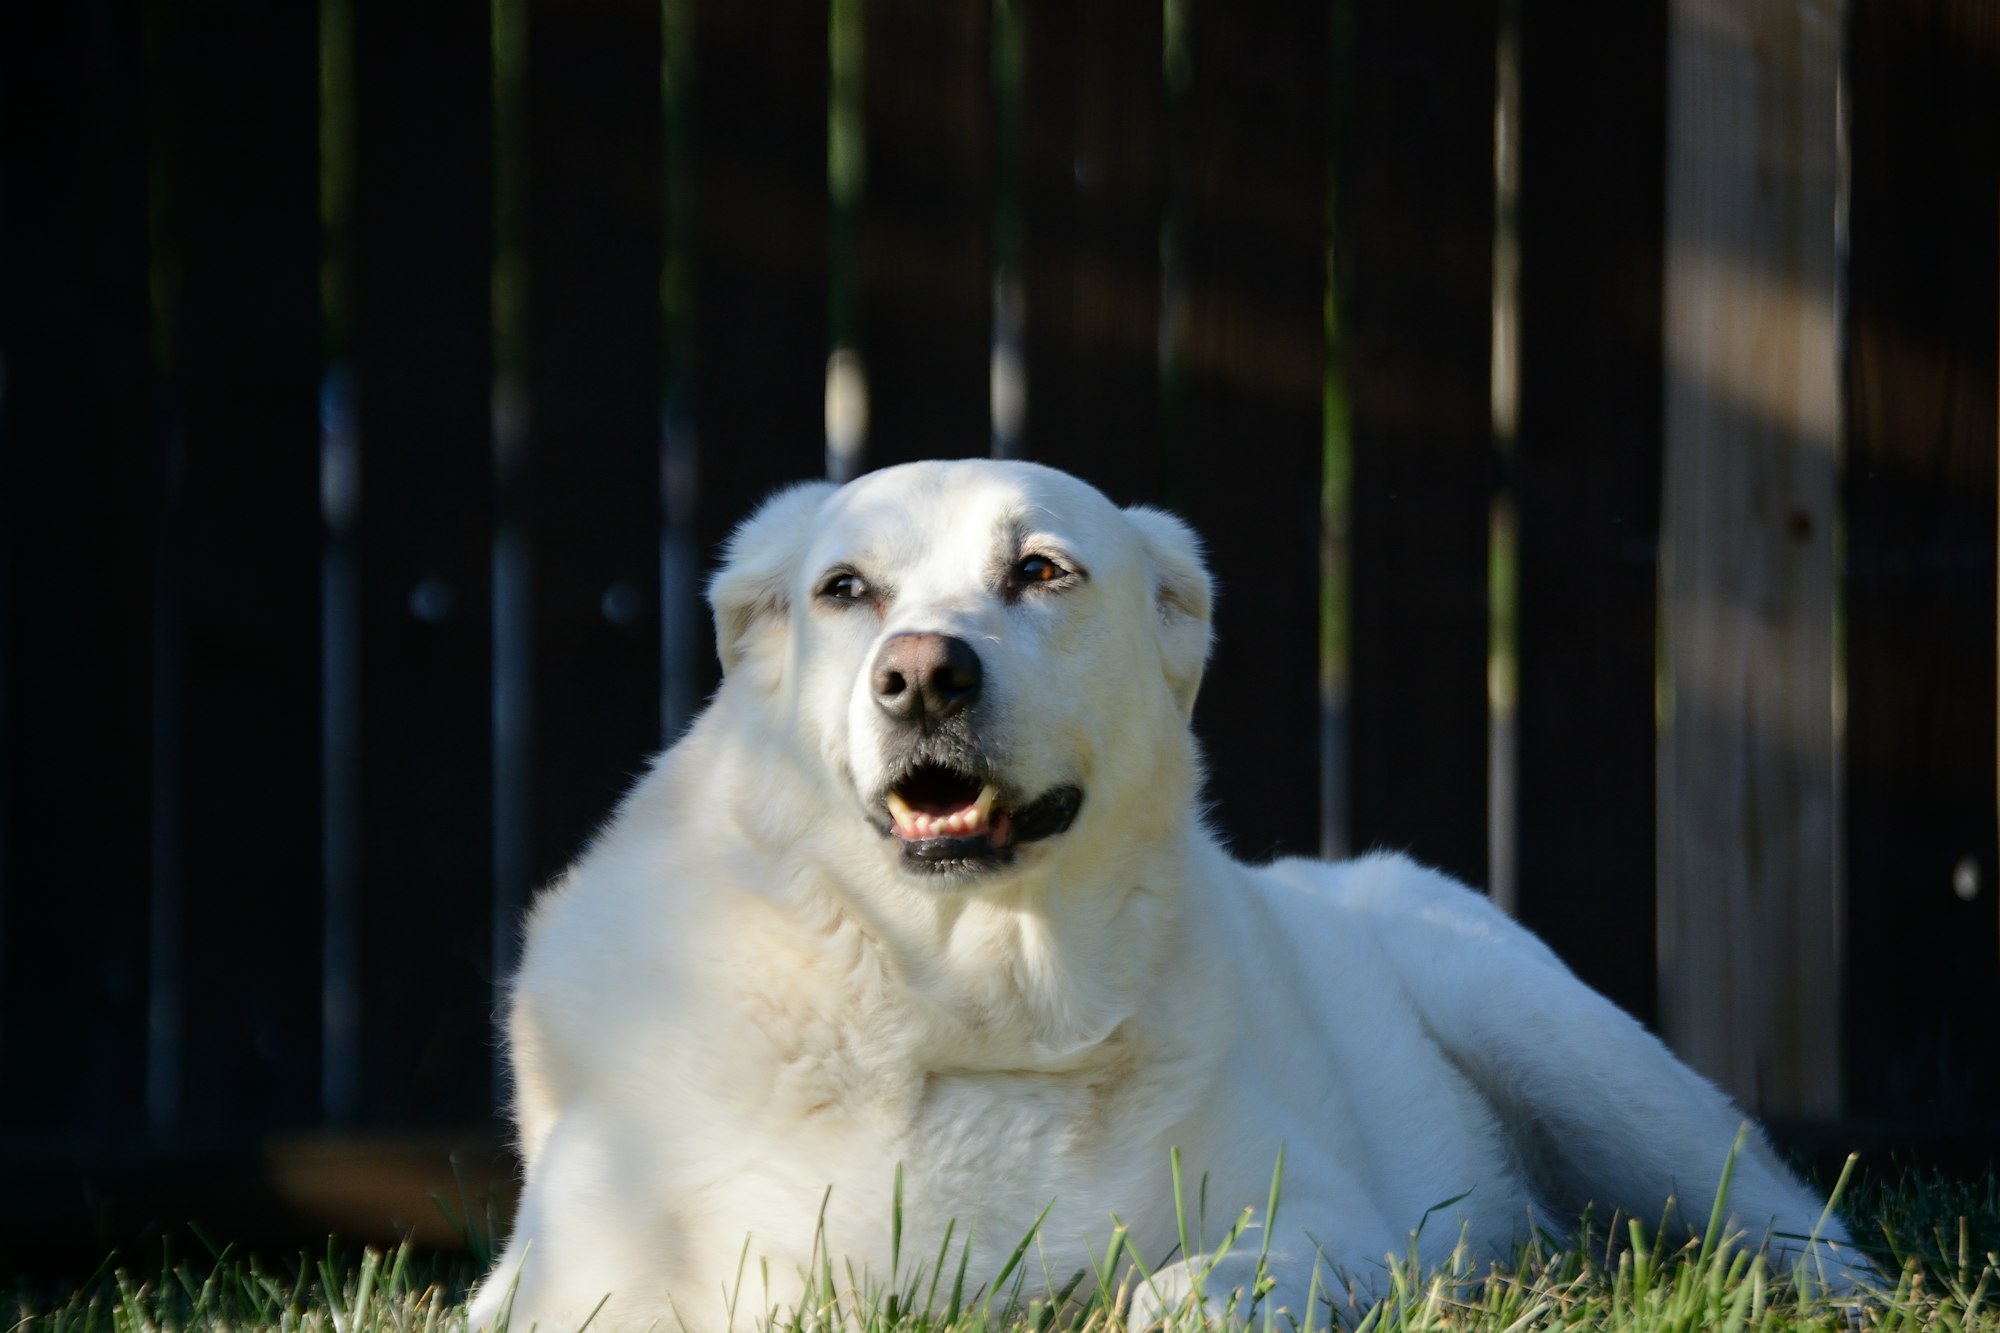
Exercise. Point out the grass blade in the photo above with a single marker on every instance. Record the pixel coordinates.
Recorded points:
(1713, 1236)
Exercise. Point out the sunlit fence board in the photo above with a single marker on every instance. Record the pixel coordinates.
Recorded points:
(1748, 871)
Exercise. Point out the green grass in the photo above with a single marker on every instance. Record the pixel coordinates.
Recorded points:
(1937, 1242)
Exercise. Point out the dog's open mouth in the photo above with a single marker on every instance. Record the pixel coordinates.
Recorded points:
(938, 802)
(951, 820)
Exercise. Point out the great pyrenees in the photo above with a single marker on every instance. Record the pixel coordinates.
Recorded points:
(925, 894)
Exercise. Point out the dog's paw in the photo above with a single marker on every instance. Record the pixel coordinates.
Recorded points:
(1206, 1290)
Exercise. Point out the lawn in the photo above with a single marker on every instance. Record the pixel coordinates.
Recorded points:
(1938, 1242)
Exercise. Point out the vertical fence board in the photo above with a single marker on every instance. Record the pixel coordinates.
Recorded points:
(590, 486)
(1414, 269)
(423, 374)
(1923, 1019)
(1093, 197)
(926, 243)
(1586, 485)
(1247, 402)
(761, 218)
(1748, 916)
(240, 123)
(78, 523)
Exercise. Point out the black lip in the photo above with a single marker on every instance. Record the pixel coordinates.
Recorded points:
(955, 856)
(1047, 815)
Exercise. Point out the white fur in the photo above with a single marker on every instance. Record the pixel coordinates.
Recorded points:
(738, 999)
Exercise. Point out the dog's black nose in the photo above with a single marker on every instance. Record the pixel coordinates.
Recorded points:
(925, 678)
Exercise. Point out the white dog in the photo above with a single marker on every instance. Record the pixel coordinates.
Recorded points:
(927, 887)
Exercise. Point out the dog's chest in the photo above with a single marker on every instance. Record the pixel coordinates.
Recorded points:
(977, 1130)
(810, 1155)
(838, 1075)
(930, 1100)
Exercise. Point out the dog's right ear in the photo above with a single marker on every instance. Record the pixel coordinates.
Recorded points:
(751, 593)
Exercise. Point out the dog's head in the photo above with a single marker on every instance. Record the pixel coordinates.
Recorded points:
(980, 659)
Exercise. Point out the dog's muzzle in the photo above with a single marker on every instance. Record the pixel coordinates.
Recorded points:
(945, 807)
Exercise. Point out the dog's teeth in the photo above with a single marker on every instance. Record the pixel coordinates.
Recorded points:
(973, 820)
(910, 823)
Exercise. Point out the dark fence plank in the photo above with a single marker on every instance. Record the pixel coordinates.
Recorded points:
(1246, 404)
(422, 366)
(1923, 983)
(239, 118)
(1586, 484)
(926, 242)
(761, 218)
(1414, 249)
(1093, 197)
(79, 490)
(590, 484)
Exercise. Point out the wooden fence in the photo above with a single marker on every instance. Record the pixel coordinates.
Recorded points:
(381, 376)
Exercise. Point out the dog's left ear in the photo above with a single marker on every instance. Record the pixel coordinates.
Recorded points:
(1182, 593)
(751, 593)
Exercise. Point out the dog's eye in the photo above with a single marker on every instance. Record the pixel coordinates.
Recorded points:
(1034, 569)
(845, 586)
